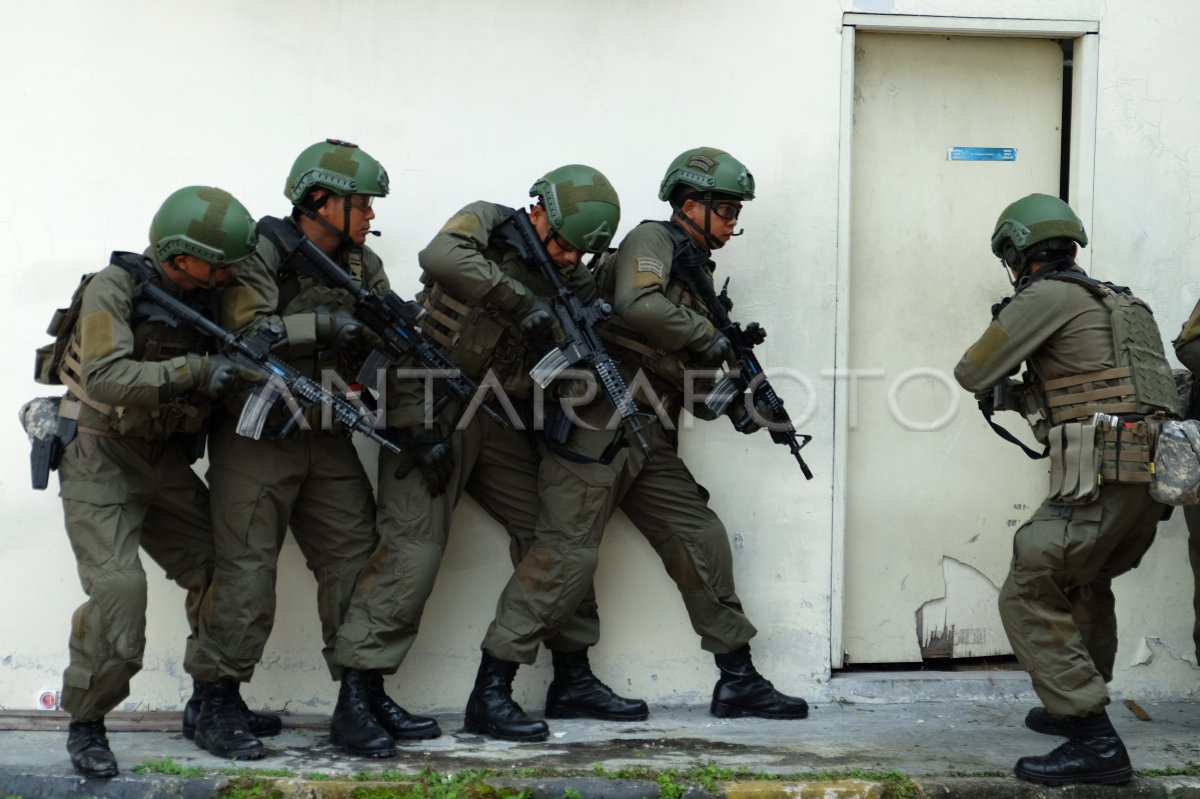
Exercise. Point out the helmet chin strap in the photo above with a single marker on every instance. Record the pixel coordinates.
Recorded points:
(191, 280)
(709, 241)
(344, 234)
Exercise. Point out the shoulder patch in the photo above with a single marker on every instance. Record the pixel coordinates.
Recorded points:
(652, 265)
(462, 225)
(992, 341)
(96, 335)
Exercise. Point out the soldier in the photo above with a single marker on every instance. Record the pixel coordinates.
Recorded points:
(312, 481)
(1095, 383)
(139, 389)
(658, 333)
(1187, 349)
(484, 301)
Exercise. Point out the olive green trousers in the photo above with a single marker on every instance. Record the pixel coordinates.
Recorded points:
(578, 497)
(1057, 604)
(313, 483)
(119, 495)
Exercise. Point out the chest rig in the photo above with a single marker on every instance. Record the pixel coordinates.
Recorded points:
(157, 337)
(482, 337)
(302, 290)
(1119, 407)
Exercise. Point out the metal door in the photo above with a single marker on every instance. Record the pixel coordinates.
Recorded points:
(932, 496)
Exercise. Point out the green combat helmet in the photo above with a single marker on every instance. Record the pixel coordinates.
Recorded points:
(581, 204)
(707, 169)
(203, 221)
(1034, 220)
(336, 165)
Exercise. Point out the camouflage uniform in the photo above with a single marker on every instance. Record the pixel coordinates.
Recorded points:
(1057, 604)
(1187, 348)
(126, 481)
(312, 481)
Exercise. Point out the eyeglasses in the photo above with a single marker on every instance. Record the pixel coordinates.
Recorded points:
(361, 202)
(729, 211)
(567, 247)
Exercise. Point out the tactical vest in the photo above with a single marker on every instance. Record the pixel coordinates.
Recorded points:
(1140, 385)
(481, 337)
(300, 292)
(632, 349)
(156, 338)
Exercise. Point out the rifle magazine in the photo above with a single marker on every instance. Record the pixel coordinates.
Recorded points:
(253, 417)
(723, 395)
(552, 364)
(374, 368)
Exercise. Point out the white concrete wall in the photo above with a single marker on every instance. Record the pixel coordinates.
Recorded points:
(109, 107)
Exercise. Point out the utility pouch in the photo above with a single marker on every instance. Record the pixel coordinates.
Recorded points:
(1030, 403)
(1175, 479)
(1075, 458)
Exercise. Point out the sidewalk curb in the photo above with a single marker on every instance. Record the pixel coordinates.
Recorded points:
(135, 786)
(29, 785)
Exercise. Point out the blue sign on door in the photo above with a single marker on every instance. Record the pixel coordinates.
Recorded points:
(981, 154)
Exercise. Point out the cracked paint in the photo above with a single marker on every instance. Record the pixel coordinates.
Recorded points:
(965, 621)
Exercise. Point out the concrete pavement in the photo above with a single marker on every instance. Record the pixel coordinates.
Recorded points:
(943, 748)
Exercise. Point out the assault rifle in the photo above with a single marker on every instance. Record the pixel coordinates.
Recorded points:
(282, 380)
(749, 371)
(392, 319)
(581, 343)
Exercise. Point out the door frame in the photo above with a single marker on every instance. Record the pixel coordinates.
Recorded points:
(1085, 78)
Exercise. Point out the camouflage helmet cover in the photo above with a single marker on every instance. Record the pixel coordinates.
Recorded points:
(203, 221)
(707, 169)
(581, 204)
(338, 166)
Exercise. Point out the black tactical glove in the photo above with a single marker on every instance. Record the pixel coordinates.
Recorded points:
(339, 329)
(717, 351)
(997, 307)
(430, 452)
(537, 319)
(219, 375)
(746, 422)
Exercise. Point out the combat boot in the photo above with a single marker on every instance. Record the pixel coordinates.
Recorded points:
(262, 725)
(221, 728)
(395, 720)
(87, 743)
(491, 709)
(1093, 754)
(577, 693)
(353, 727)
(742, 691)
(1039, 719)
